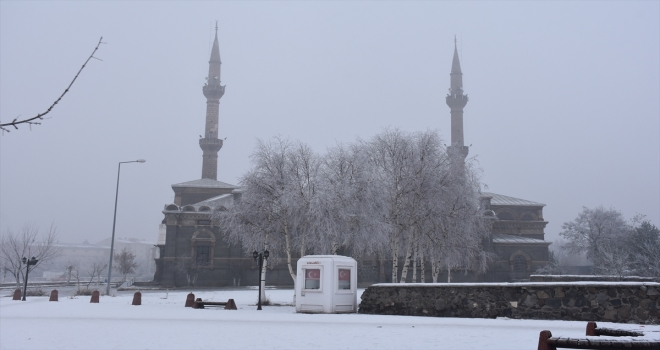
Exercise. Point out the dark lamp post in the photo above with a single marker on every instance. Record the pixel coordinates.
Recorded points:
(114, 221)
(259, 257)
(27, 263)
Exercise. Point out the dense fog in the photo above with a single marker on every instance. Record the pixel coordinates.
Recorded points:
(564, 107)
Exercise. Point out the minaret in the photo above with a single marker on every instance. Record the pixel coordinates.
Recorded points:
(456, 101)
(213, 91)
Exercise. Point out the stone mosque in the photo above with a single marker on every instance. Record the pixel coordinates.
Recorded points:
(188, 240)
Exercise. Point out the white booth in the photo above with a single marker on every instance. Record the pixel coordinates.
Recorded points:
(326, 284)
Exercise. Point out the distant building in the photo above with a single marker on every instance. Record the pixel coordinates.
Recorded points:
(517, 237)
(83, 255)
(144, 251)
(188, 240)
(187, 237)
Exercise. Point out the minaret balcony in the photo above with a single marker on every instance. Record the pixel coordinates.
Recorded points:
(456, 101)
(210, 144)
(213, 92)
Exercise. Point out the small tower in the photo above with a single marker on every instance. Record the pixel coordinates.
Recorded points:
(456, 100)
(213, 91)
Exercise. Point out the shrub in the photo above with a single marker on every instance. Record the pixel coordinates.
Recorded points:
(36, 292)
(85, 291)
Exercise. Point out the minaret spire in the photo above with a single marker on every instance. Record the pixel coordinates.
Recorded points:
(456, 100)
(213, 91)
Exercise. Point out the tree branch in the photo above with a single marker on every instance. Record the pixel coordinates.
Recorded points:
(40, 116)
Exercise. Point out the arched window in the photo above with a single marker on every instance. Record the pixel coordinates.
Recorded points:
(172, 207)
(204, 208)
(505, 215)
(203, 248)
(188, 208)
(519, 267)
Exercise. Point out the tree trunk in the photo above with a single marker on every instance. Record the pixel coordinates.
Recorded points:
(262, 280)
(434, 271)
(414, 279)
(422, 272)
(395, 259)
(335, 247)
(406, 263)
(448, 274)
(288, 254)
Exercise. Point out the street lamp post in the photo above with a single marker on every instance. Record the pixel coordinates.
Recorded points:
(27, 263)
(114, 221)
(259, 257)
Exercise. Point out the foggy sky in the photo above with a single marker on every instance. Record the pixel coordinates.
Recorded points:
(564, 98)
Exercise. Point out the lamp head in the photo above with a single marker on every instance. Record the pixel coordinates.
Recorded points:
(255, 254)
(24, 260)
(141, 160)
(266, 254)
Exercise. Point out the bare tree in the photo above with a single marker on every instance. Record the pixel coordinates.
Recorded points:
(69, 266)
(40, 116)
(27, 243)
(187, 266)
(126, 263)
(95, 270)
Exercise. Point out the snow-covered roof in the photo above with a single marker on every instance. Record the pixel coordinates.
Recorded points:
(205, 183)
(221, 200)
(498, 199)
(504, 238)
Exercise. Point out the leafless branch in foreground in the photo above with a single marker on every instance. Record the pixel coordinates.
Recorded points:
(40, 116)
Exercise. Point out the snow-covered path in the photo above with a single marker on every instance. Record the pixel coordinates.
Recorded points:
(165, 324)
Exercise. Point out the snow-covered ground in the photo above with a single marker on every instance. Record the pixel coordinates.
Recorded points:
(161, 323)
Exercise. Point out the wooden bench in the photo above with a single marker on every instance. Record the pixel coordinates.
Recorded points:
(593, 330)
(200, 304)
(548, 342)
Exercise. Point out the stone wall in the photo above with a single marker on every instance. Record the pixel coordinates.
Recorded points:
(624, 302)
(585, 278)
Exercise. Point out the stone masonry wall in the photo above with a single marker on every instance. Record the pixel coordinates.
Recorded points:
(624, 302)
(585, 278)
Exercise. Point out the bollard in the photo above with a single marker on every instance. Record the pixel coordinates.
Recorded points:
(17, 294)
(231, 305)
(591, 328)
(543, 341)
(190, 300)
(137, 298)
(53, 295)
(197, 305)
(95, 297)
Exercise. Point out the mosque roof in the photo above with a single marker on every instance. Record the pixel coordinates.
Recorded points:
(205, 183)
(498, 199)
(504, 238)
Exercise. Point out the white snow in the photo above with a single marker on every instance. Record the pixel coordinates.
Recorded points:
(522, 284)
(166, 324)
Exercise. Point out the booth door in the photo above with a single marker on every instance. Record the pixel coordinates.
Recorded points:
(344, 289)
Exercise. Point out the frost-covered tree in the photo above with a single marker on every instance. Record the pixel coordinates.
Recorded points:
(272, 211)
(644, 247)
(397, 194)
(345, 212)
(594, 231)
(390, 157)
(459, 227)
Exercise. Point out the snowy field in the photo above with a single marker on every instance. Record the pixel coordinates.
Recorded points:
(161, 323)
